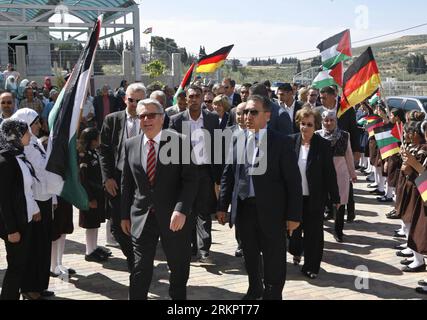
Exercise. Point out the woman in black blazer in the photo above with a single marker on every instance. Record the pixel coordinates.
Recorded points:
(17, 205)
(318, 181)
(221, 107)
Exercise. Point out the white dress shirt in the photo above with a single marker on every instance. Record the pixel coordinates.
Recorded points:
(147, 148)
(32, 207)
(302, 164)
(198, 141)
(130, 124)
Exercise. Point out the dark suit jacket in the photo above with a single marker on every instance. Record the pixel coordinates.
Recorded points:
(232, 117)
(348, 123)
(280, 122)
(112, 141)
(321, 174)
(175, 185)
(298, 107)
(98, 105)
(13, 206)
(237, 99)
(278, 191)
(210, 123)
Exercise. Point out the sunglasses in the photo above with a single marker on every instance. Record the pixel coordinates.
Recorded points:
(149, 116)
(308, 125)
(194, 96)
(133, 100)
(251, 112)
(208, 101)
(6, 102)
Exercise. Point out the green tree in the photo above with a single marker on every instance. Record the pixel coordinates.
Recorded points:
(112, 45)
(155, 68)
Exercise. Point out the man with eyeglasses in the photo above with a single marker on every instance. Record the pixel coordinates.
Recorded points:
(347, 122)
(116, 129)
(229, 86)
(196, 121)
(104, 105)
(207, 101)
(266, 198)
(7, 106)
(156, 203)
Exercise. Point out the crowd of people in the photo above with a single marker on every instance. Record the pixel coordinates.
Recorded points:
(309, 170)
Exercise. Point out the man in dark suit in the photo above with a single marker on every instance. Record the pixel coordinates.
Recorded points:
(279, 120)
(157, 196)
(347, 122)
(288, 104)
(230, 87)
(191, 122)
(104, 105)
(266, 198)
(117, 128)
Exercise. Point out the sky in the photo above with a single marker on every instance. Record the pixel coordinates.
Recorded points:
(273, 28)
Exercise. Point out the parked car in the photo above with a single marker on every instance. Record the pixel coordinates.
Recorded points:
(408, 103)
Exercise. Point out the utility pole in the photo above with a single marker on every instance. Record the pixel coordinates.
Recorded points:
(151, 48)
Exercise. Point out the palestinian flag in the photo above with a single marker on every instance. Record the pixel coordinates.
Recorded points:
(335, 49)
(370, 127)
(374, 100)
(368, 119)
(185, 82)
(421, 183)
(386, 142)
(212, 62)
(62, 167)
(361, 78)
(328, 78)
(397, 131)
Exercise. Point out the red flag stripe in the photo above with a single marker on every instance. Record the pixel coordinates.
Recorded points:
(423, 187)
(359, 79)
(215, 59)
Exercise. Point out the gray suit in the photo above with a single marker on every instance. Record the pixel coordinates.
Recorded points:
(150, 208)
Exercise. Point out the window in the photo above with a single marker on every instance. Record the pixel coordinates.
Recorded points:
(395, 103)
(411, 105)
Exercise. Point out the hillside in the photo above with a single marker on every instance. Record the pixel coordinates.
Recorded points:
(390, 55)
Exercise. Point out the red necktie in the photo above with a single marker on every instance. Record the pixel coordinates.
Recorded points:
(151, 162)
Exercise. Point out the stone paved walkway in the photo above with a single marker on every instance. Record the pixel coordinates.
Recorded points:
(368, 247)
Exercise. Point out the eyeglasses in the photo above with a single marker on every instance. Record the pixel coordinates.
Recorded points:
(252, 112)
(194, 96)
(313, 95)
(308, 125)
(208, 101)
(226, 87)
(7, 102)
(131, 100)
(149, 116)
(240, 113)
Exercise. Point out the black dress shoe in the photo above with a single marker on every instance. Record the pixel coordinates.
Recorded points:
(420, 268)
(238, 253)
(95, 257)
(351, 220)
(400, 247)
(329, 216)
(420, 290)
(47, 294)
(404, 255)
(372, 186)
(377, 192)
(384, 199)
(398, 235)
(105, 251)
(406, 262)
(393, 216)
(422, 283)
(338, 238)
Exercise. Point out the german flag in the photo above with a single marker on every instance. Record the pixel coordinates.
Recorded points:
(421, 183)
(212, 62)
(361, 79)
